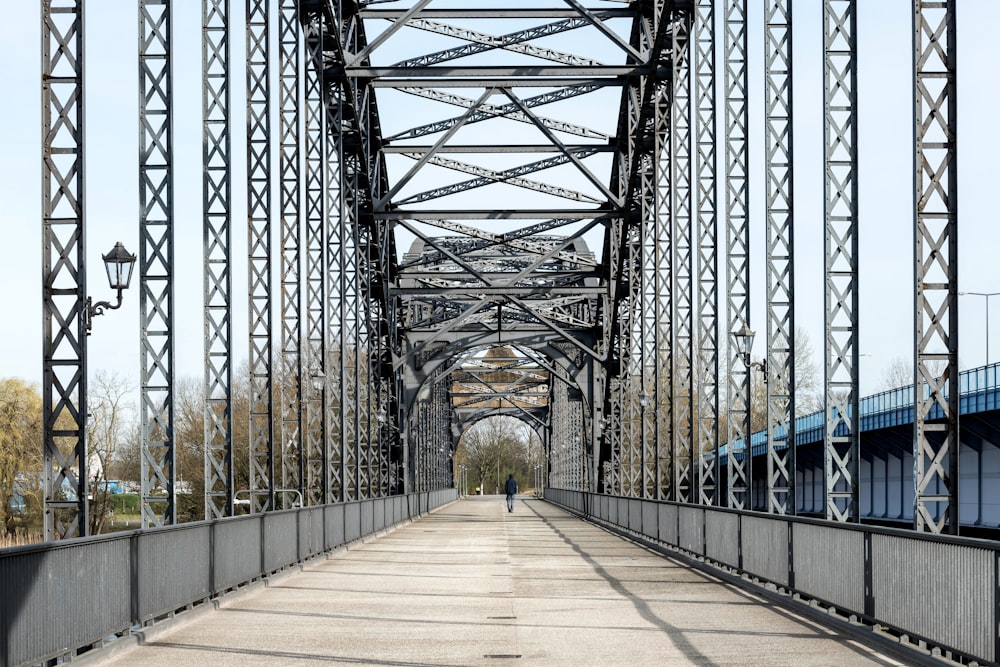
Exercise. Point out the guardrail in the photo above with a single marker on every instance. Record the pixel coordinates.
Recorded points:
(61, 599)
(934, 589)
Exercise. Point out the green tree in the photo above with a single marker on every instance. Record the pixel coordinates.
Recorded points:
(20, 454)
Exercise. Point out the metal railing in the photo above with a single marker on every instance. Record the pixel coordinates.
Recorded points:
(61, 599)
(935, 589)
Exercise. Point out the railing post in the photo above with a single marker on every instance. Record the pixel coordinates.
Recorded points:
(790, 527)
(869, 578)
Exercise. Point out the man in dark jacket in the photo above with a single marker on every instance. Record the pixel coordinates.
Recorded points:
(511, 488)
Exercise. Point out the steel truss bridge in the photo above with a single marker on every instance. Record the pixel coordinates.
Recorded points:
(430, 184)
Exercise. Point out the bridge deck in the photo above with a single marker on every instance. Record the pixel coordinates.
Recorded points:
(475, 585)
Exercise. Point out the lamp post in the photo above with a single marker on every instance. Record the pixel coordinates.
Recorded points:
(119, 263)
(744, 343)
(987, 296)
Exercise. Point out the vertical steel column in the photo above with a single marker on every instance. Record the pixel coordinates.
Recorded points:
(936, 445)
(682, 290)
(651, 316)
(64, 271)
(561, 437)
(216, 154)
(738, 250)
(356, 133)
(314, 363)
(291, 260)
(336, 288)
(662, 212)
(574, 426)
(365, 233)
(156, 264)
(633, 461)
(841, 384)
(707, 302)
(259, 237)
(780, 376)
(652, 394)
(349, 324)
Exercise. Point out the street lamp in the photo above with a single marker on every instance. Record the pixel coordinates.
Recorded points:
(987, 296)
(744, 343)
(119, 264)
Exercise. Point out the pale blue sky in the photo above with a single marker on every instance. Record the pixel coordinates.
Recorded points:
(886, 198)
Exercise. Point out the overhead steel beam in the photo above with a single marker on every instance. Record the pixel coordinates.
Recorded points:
(496, 214)
(506, 111)
(480, 14)
(479, 42)
(492, 76)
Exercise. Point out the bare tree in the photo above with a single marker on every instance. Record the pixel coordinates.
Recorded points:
(808, 397)
(808, 394)
(110, 422)
(189, 433)
(490, 448)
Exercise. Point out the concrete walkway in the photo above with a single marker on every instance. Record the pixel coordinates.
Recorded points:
(475, 585)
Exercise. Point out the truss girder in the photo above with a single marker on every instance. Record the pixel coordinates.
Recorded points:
(780, 380)
(64, 277)
(841, 439)
(936, 443)
(156, 261)
(360, 387)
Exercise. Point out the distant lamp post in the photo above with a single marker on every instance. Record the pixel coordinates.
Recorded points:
(119, 264)
(319, 383)
(744, 343)
(987, 296)
(643, 399)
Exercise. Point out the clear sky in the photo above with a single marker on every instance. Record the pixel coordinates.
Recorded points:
(886, 200)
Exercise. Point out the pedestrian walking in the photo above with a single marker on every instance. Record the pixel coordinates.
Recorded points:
(511, 488)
